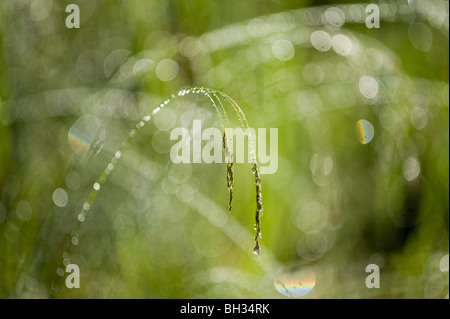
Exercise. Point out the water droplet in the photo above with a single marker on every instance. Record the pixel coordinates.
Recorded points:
(418, 118)
(321, 166)
(185, 193)
(40, 9)
(73, 180)
(180, 173)
(86, 136)
(74, 240)
(364, 131)
(81, 217)
(166, 119)
(368, 86)
(142, 66)
(96, 186)
(312, 246)
(411, 169)
(60, 271)
(86, 206)
(312, 217)
(189, 47)
(436, 18)
(335, 17)
(313, 74)
(60, 197)
(258, 28)
(296, 284)
(98, 143)
(112, 63)
(342, 44)
(167, 70)
(156, 110)
(321, 40)
(283, 50)
(118, 154)
(24, 210)
(346, 72)
(160, 141)
(443, 264)
(373, 58)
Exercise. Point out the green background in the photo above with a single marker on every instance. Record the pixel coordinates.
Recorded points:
(160, 230)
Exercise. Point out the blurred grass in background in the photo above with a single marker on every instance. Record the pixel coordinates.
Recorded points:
(363, 125)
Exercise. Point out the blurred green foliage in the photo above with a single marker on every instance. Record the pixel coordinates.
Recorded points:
(69, 98)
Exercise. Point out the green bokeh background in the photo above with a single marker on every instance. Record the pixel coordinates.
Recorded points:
(158, 230)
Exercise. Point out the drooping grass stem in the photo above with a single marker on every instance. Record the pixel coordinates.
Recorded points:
(215, 97)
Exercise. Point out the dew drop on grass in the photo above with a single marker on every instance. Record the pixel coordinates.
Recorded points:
(165, 119)
(411, 169)
(98, 143)
(313, 74)
(342, 44)
(73, 180)
(40, 9)
(297, 284)
(60, 197)
(283, 50)
(418, 118)
(66, 261)
(86, 206)
(364, 131)
(373, 58)
(81, 217)
(334, 17)
(24, 210)
(74, 241)
(86, 136)
(312, 217)
(368, 86)
(142, 66)
(321, 40)
(312, 246)
(167, 70)
(60, 271)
